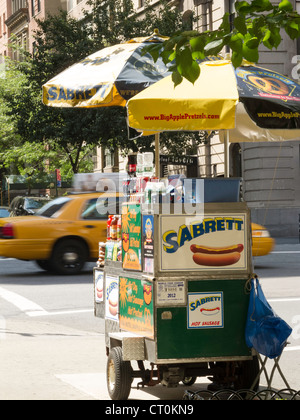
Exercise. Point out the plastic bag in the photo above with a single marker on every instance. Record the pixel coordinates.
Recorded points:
(266, 332)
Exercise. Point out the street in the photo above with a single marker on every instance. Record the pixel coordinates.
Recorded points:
(52, 346)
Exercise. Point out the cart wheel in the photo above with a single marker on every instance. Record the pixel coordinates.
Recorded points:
(189, 381)
(119, 375)
(248, 371)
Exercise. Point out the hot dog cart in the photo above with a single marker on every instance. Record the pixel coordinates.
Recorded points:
(175, 304)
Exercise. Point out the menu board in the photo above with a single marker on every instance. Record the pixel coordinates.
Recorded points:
(132, 237)
(209, 242)
(136, 306)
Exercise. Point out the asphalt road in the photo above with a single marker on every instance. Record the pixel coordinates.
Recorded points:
(52, 346)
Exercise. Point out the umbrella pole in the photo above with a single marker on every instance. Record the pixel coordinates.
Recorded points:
(157, 163)
(226, 154)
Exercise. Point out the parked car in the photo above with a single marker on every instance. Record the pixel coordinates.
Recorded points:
(63, 235)
(4, 212)
(262, 243)
(26, 206)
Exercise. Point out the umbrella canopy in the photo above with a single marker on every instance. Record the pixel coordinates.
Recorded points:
(108, 77)
(264, 104)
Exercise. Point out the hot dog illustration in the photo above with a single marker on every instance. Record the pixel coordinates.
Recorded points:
(216, 260)
(210, 312)
(99, 290)
(113, 302)
(217, 250)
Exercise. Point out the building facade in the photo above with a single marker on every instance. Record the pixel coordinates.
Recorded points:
(270, 171)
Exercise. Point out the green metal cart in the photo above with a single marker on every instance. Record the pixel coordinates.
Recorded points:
(179, 300)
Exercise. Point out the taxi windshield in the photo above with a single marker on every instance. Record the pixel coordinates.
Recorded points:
(50, 209)
(34, 204)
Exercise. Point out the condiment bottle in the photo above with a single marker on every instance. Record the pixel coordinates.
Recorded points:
(108, 227)
(113, 228)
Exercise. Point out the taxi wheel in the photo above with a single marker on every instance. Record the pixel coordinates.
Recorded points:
(69, 257)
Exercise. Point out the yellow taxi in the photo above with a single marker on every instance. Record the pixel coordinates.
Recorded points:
(63, 235)
(262, 243)
(66, 232)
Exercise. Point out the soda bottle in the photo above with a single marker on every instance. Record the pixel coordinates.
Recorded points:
(108, 227)
(113, 228)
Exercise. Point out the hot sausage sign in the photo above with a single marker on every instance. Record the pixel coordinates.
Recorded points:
(207, 242)
(205, 310)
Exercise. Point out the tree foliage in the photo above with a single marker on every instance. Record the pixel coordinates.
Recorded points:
(256, 23)
(61, 41)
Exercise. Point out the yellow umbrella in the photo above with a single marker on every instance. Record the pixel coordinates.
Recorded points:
(208, 105)
(108, 77)
(252, 103)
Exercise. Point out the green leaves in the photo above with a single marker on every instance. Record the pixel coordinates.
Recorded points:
(186, 66)
(292, 29)
(214, 47)
(256, 23)
(250, 54)
(240, 24)
(272, 38)
(286, 6)
(243, 7)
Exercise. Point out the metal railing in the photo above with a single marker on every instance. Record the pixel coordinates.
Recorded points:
(244, 394)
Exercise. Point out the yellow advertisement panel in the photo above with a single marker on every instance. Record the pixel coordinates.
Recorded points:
(209, 242)
(209, 104)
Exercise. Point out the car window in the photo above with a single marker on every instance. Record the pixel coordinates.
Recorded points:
(99, 208)
(31, 203)
(4, 213)
(50, 209)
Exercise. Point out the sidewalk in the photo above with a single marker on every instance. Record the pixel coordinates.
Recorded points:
(41, 363)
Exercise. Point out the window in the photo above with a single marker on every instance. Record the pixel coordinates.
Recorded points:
(35, 7)
(109, 158)
(91, 211)
(21, 45)
(50, 210)
(188, 20)
(18, 4)
(32, 204)
(99, 208)
(4, 213)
